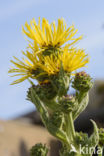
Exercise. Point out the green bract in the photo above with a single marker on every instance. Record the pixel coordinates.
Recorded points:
(39, 150)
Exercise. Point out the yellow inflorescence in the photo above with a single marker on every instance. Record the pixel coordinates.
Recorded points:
(74, 59)
(70, 60)
(37, 63)
(47, 35)
(24, 68)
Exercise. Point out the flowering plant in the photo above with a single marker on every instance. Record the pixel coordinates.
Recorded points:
(52, 59)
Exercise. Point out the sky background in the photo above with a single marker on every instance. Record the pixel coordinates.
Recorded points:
(88, 17)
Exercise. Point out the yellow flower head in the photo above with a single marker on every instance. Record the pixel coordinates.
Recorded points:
(25, 68)
(37, 65)
(46, 36)
(71, 60)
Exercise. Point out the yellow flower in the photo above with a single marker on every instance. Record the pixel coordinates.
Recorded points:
(47, 36)
(71, 60)
(38, 65)
(25, 68)
(74, 59)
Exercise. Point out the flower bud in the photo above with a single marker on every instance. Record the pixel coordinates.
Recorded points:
(67, 103)
(39, 150)
(61, 83)
(101, 137)
(81, 138)
(45, 91)
(82, 82)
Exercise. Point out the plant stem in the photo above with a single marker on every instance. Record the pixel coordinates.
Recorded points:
(70, 126)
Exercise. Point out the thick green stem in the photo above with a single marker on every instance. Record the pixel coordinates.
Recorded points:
(70, 126)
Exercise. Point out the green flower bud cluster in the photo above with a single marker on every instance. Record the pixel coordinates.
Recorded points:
(101, 137)
(67, 103)
(58, 110)
(61, 82)
(45, 91)
(39, 150)
(82, 82)
(81, 138)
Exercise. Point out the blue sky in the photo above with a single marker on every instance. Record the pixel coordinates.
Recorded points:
(88, 17)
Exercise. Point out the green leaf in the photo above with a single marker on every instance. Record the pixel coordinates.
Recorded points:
(39, 105)
(81, 105)
(61, 135)
(94, 138)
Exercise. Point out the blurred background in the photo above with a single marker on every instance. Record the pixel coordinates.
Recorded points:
(88, 17)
